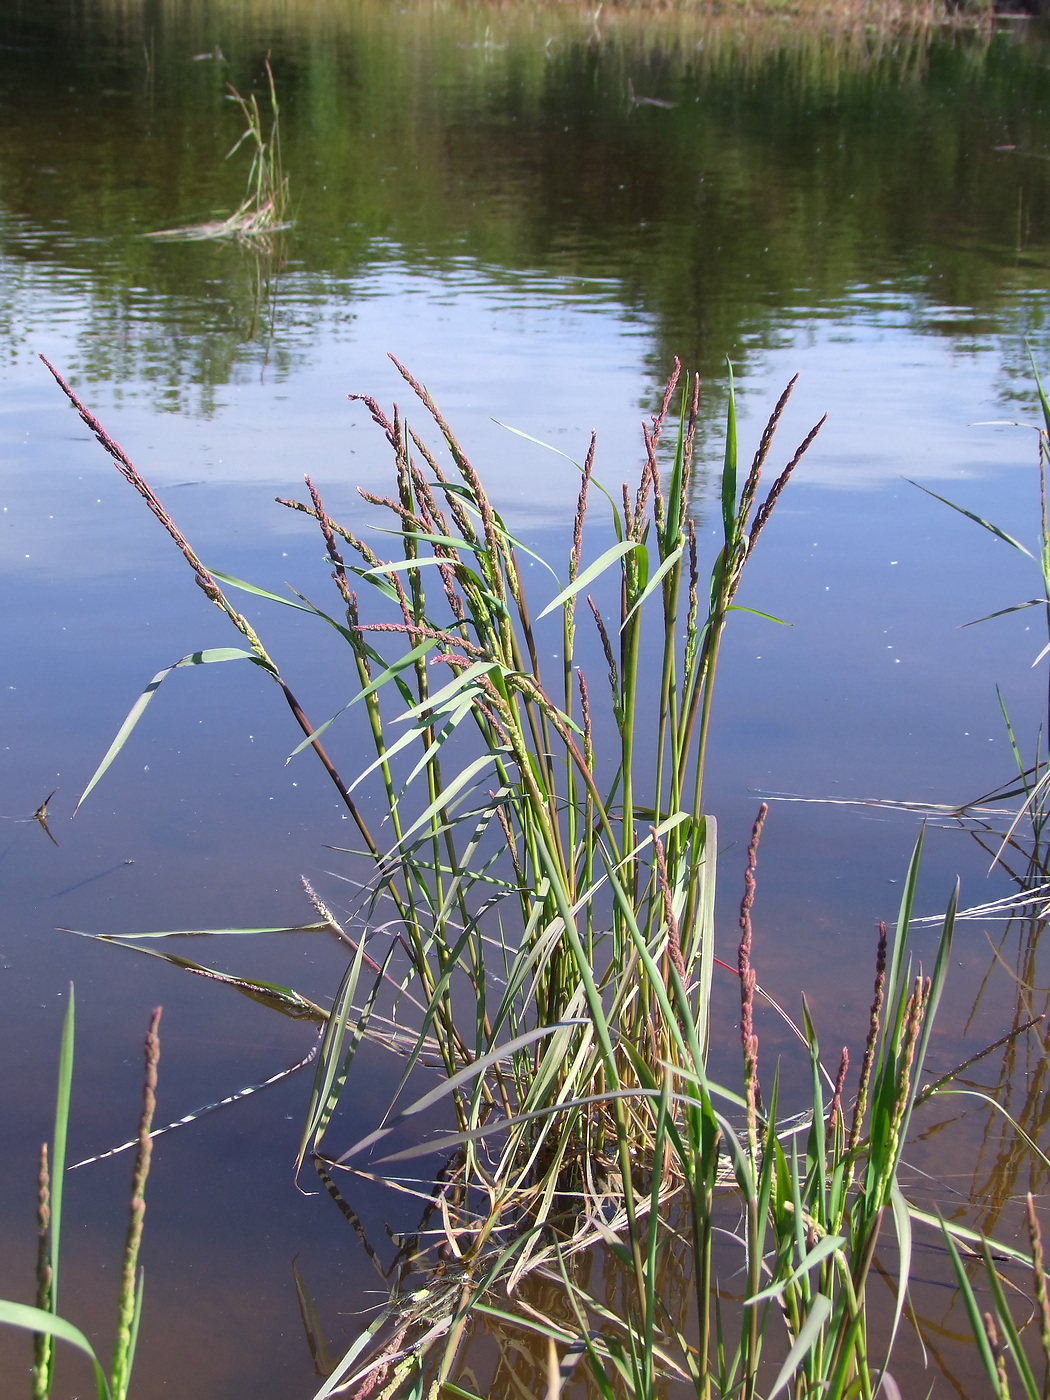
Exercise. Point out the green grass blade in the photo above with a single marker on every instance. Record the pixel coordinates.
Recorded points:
(407, 566)
(136, 1319)
(895, 968)
(592, 571)
(423, 537)
(390, 751)
(654, 583)
(409, 658)
(196, 658)
(283, 999)
(1029, 1142)
(973, 1311)
(1008, 1327)
(729, 465)
(36, 1320)
(259, 592)
(538, 442)
(456, 1081)
(58, 1151)
(757, 612)
(1004, 612)
(317, 733)
(829, 1245)
(937, 978)
(198, 932)
(972, 1238)
(462, 682)
(449, 792)
(820, 1310)
(329, 1070)
(902, 1224)
(978, 520)
(1044, 404)
(359, 1345)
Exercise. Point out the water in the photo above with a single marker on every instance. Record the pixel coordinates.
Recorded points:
(476, 191)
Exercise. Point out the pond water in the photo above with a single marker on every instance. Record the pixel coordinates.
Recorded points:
(535, 208)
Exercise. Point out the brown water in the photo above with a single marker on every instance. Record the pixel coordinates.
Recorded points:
(475, 190)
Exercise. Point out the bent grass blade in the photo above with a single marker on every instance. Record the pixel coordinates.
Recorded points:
(196, 658)
(197, 932)
(272, 994)
(604, 562)
(39, 1321)
(977, 519)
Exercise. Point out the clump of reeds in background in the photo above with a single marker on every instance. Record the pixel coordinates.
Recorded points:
(264, 209)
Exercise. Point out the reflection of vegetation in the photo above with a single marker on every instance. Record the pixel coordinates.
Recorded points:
(793, 166)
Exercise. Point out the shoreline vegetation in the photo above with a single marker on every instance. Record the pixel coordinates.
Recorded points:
(537, 945)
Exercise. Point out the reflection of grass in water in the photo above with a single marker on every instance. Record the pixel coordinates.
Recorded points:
(540, 931)
(262, 211)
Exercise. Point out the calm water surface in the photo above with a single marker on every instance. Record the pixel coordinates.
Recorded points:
(476, 191)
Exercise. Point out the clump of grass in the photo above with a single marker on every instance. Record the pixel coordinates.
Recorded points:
(264, 209)
(541, 930)
(542, 911)
(43, 1319)
(755, 1236)
(552, 909)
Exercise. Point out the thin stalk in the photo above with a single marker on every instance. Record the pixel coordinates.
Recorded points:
(129, 1304)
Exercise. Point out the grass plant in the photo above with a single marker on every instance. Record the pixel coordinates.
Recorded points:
(756, 1235)
(539, 930)
(552, 914)
(264, 209)
(999, 1342)
(43, 1319)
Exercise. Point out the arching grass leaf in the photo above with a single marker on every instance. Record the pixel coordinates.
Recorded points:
(592, 571)
(36, 1320)
(196, 658)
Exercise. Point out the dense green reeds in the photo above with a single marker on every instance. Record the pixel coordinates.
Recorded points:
(43, 1319)
(539, 930)
(547, 910)
(742, 1269)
